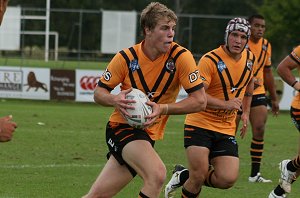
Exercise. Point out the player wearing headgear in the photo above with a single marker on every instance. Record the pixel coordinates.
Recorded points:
(209, 136)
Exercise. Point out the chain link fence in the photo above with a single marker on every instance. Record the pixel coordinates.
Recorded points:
(75, 34)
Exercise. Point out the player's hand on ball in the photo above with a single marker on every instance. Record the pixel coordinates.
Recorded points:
(136, 112)
(122, 103)
(151, 118)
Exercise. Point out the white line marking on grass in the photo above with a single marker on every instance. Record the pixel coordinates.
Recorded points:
(37, 166)
(21, 166)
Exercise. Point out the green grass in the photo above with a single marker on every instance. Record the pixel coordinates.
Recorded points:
(63, 157)
(52, 64)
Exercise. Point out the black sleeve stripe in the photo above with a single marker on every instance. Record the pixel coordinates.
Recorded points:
(222, 80)
(267, 66)
(195, 88)
(125, 57)
(292, 57)
(133, 84)
(178, 54)
(101, 84)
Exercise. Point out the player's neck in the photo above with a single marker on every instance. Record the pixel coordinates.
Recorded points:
(235, 56)
(150, 51)
(254, 40)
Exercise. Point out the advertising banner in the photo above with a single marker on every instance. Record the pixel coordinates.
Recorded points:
(86, 81)
(62, 83)
(79, 85)
(24, 82)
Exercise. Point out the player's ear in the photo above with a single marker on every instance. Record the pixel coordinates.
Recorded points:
(147, 30)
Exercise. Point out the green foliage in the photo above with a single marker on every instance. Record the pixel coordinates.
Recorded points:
(282, 20)
(283, 25)
(63, 157)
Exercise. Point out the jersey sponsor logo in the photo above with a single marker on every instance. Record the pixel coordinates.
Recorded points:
(233, 89)
(222, 114)
(88, 82)
(203, 78)
(221, 66)
(264, 47)
(107, 75)
(193, 76)
(232, 139)
(134, 65)
(249, 64)
(170, 65)
(112, 144)
(151, 94)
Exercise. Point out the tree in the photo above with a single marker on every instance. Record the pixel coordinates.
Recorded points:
(283, 25)
(200, 34)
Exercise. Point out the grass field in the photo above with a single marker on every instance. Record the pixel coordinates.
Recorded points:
(63, 157)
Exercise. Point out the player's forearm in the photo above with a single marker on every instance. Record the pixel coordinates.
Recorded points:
(215, 103)
(195, 102)
(103, 97)
(246, 103)
(270, 85)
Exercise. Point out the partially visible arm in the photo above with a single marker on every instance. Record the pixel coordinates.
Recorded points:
(103, 97)
(195, 102)
(246, 105)
(7, 127)
(3, 5)
(216, 103)
(270, 85)
(284, 70)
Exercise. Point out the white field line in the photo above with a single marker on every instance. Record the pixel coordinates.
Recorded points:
(40, 166)
(36, 166)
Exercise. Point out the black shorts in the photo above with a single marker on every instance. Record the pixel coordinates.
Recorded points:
(295, 115)
(118, 135)
(219, 144)
(259, 99)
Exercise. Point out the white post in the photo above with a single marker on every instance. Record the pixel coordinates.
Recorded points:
(47, 30)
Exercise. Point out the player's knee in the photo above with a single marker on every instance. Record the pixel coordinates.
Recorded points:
(228, 182)
(259, 129)
(225, 181)
(161, 175)
(258, 134)
(157, 178)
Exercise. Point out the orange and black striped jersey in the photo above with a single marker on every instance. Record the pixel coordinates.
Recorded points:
(226, 79)
(262, 51)
(295, 55)
(160, 79)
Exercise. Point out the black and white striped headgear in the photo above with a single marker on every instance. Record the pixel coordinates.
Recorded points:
(237, 24)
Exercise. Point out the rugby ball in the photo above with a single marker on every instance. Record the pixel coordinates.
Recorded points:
(141, 109)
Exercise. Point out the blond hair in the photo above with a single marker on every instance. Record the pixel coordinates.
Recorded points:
(154, 12)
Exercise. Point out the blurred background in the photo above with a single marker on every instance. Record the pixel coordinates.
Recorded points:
(94, 30)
